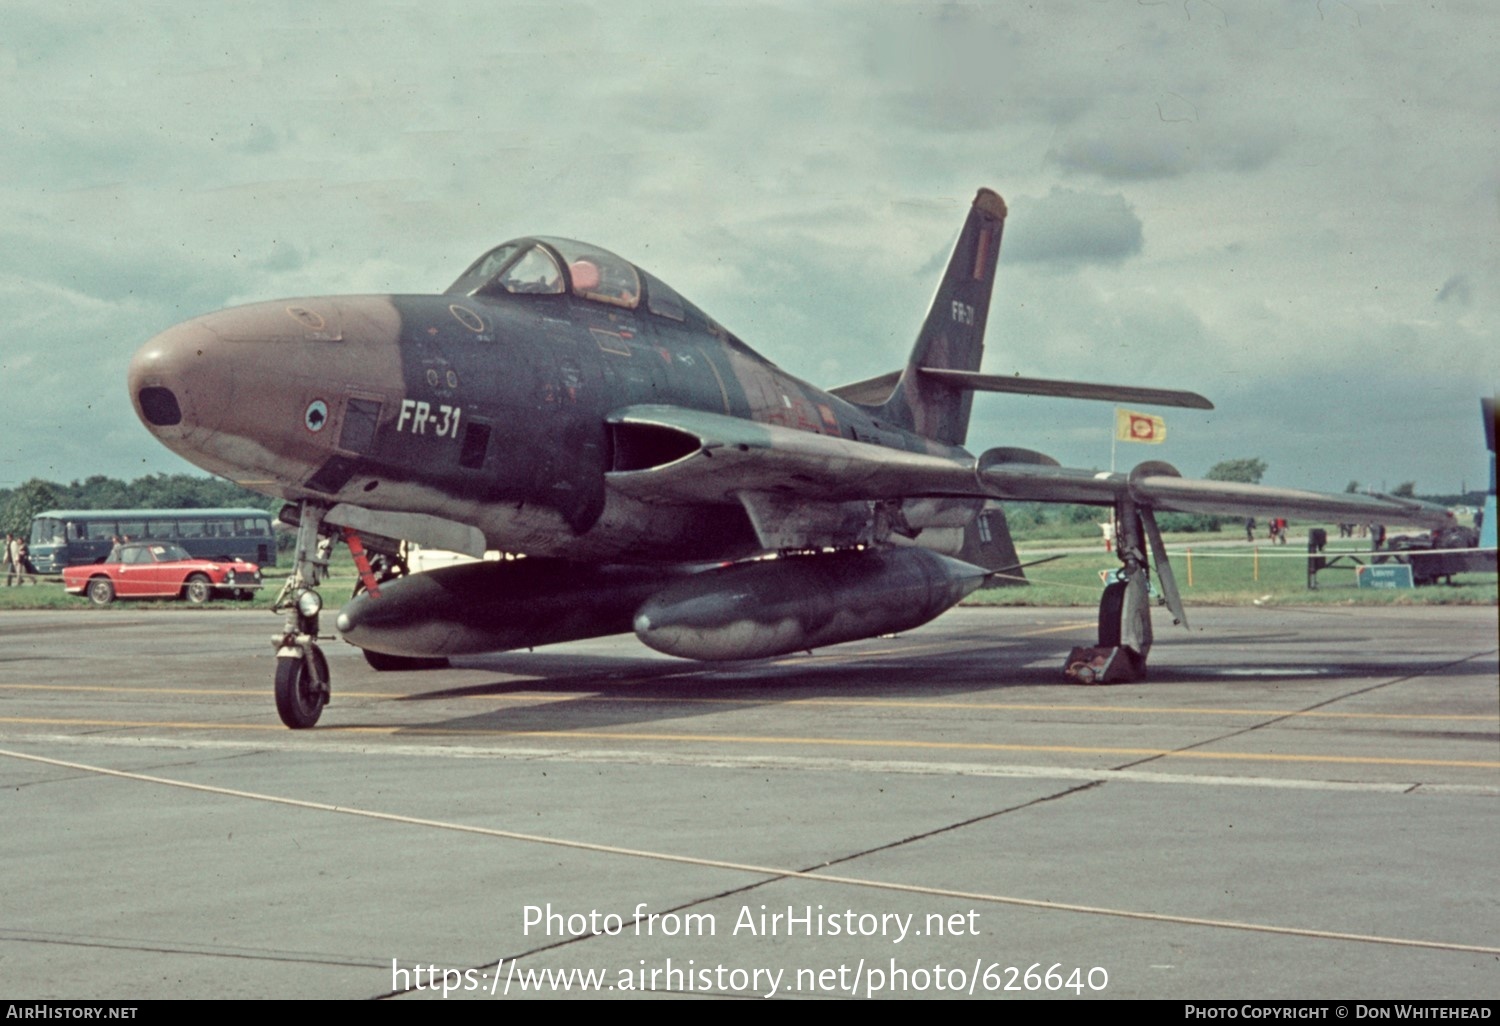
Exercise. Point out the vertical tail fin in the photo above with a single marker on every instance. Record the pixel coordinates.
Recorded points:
(952, 337)
(987, 544)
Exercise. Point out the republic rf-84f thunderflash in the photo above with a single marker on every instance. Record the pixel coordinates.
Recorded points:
(657, 475)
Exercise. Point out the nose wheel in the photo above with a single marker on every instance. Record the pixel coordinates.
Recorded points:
(301, 687)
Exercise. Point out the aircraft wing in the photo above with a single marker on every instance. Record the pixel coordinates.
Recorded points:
(671, 455)
(1160, 487)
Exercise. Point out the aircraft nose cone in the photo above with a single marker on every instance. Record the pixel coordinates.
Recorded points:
(258, 393)
(167, 370)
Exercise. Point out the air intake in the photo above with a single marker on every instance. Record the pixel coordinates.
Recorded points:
(159, 407)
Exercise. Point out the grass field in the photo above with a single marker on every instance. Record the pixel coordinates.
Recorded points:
(1209, 569)
(1222, 573)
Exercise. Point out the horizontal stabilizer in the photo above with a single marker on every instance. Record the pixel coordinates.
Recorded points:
(874, 391)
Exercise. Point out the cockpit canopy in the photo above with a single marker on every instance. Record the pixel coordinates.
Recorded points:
(547, 266)
(550, 266)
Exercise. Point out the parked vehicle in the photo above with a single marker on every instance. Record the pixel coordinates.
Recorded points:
(1440, 554)
(70, 537)
(157, 569)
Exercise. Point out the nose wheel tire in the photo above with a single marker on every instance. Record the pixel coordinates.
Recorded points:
(301, 688)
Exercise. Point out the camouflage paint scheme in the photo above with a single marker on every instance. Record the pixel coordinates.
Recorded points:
(561, 403)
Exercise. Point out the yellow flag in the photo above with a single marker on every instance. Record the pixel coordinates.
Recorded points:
(1139, 427)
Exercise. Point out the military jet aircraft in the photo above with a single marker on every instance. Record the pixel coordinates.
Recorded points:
(655, 473)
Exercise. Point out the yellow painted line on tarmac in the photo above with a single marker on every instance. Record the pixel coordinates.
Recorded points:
(1036, 707)
(109, 689)
(848, 655)
(731, 739)
(823, 655)
(1055, 630)
(41, 721)
(876, 703)
(259, 692)
(977, 746)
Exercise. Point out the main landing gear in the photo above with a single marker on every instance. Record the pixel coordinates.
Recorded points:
(302, 685)
(1125, 606)
(1124, 634)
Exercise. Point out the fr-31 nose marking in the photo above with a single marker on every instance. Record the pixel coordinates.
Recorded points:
(417, 416)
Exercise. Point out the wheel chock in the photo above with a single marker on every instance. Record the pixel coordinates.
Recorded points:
(1103, 666)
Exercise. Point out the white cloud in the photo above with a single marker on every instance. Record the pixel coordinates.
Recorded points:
(1071, 227)
(1252, 201)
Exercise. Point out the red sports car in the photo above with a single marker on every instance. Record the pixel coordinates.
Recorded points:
(151, 569)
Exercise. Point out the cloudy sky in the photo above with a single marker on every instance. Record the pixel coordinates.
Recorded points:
(1289, 207)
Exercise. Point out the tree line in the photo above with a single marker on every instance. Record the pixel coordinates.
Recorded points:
(155, 491)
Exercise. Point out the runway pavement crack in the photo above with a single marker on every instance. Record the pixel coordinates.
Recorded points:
(167, 948)
(757, 884)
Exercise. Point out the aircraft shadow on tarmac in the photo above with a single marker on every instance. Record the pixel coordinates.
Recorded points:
(613, 691)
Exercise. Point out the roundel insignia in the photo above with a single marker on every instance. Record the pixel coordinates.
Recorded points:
(316, 415)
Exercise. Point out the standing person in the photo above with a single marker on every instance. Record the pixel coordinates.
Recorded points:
(15, 565)
(1249, 529)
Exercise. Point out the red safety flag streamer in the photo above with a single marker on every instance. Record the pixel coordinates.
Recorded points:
(361, 562)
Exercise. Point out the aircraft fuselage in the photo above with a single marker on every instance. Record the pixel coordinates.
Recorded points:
(488, 410)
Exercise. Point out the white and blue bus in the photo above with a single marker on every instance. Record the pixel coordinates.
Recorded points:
(72, 537)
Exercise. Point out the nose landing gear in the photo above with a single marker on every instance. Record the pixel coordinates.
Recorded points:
(302, 678)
